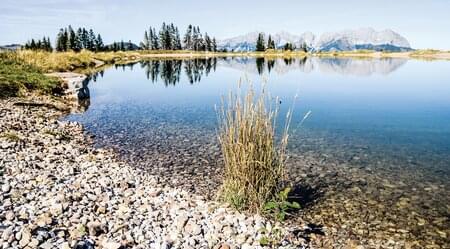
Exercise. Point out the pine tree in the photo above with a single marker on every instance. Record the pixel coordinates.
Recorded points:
(79, 40)
(195, 39)
(33, 44)
(122, 46)
(214, 45)
(260, 47)
(72, 39)
(187, 40)
(166, 37)
(270, 43)
(44, 45)
(154, 40)
(162, 36)
(66, 39)
(91, 40)
(146, 43)
(178, 45)
(60, 41)
(85, 39)
(208, 43)
(172, 37)
(198, 42)
(201, 41)
(150, 38)
(99, 43)
(288, 46)
(304, 47)
(129, 45)
(49, 45)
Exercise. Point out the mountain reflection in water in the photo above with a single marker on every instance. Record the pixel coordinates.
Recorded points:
(169, 71)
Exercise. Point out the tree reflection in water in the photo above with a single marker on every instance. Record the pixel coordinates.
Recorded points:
(169, 71)
(260, 65)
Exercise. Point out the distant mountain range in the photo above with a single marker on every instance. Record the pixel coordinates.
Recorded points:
(126, 45)
(364, 38)
(348, 40)
(10, 47)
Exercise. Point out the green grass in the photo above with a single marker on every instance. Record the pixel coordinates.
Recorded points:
(17, 76)
(254, 161)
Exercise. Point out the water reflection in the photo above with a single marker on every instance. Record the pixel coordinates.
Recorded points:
(345, 66)
(169, 71)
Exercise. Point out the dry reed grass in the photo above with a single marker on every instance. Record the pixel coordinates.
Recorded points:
(254, 160)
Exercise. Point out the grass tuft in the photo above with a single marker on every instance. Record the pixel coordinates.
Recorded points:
(254, 160)
(10, 136)
(58, 134)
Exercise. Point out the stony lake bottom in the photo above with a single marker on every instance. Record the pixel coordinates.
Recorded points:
(370, 164)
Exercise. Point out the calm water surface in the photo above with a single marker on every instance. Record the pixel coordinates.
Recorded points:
(374, 154)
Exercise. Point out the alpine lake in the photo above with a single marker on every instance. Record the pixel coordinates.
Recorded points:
(369, 165)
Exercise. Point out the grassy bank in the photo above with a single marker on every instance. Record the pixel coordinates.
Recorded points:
(362, 54)
(24, 71)
(70, 61)
(18, 77)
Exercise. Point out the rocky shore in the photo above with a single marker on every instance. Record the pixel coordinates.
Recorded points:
(57, 191)
(355, 195)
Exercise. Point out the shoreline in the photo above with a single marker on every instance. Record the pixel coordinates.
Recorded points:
(441, 55)
(39, 66)
(59, 191)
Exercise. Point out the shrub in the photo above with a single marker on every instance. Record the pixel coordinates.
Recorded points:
(280, 206)
(254, 160)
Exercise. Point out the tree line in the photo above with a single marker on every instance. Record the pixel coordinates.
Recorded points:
(261, 46)
(168, 38)
(69, 39)
(43, 44)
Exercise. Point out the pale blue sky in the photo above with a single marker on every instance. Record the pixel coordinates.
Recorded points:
(425, 23)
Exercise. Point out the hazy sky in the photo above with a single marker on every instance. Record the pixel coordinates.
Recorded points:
(425, 23)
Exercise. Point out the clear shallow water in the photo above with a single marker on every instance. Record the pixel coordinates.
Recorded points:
(378, 133)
